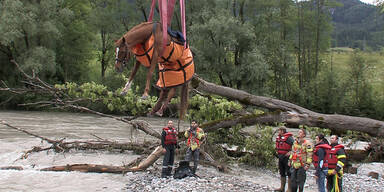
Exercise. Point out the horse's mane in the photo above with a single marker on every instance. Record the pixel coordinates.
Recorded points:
(137, 34)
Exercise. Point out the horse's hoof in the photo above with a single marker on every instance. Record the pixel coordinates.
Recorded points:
(159, 114)
(123, 93)
(144, 97)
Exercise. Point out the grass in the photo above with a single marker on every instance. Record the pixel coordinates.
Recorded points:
(340, 60)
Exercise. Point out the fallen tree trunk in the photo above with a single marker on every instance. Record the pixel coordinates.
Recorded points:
(285, 112)
(89, 168)
(143, 165)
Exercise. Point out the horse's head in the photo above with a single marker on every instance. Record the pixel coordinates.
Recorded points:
(122, 55)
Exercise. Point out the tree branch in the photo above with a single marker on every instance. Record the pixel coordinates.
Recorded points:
(286, 112)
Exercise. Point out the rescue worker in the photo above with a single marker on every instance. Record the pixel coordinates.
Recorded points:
(284, 142)
(194, 134)
(169, 143)
(300, 160)
(336, 162)
(320, 160)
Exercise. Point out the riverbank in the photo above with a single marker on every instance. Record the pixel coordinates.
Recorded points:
(77, 126)
(240, 178)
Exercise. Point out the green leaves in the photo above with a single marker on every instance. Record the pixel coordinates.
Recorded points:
(207, 109)
(262, 148)
(13, 17)
(93, 94)
(41, 60)
(225, 46)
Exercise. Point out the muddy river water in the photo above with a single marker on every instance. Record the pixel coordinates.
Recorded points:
(72, 126)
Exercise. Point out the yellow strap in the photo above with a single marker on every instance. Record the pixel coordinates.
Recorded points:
(337, 184)
(341, 156)
(340, 163)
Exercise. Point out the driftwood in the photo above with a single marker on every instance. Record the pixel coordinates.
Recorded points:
(143, 165)
(140, 164)
(19, 168)
(285, 112)
(101, 144)
(92, 168)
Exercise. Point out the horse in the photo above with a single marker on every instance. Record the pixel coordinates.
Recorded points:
(175, 63)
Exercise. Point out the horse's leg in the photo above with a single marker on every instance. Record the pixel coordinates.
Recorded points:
(171, 93)
(131, 76)
(149, 75)
(184, 100)
(157, 48)
(159, 103)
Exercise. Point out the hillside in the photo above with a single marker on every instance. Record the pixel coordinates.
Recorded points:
(357, 25)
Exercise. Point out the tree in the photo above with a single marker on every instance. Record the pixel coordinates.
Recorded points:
(362, 93)
(31, 30)
(274, 29)
(224, 53)
(75, 51)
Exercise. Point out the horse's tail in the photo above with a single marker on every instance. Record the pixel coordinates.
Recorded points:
(184, 100)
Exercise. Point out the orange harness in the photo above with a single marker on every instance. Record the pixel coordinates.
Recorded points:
(176, 73)
(176, 65)
(144, 51)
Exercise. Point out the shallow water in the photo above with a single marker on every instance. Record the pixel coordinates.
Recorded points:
(72, 126)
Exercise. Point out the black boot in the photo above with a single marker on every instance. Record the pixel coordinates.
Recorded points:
(282, 185)
(164, 172)
(194, 170)
(169, 171)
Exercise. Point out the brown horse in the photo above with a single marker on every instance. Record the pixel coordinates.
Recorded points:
(175, 64)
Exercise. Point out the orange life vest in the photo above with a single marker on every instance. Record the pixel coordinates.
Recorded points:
(282, 146)
(178, 72)
(172, 52)
(144, 51)
(301, 153)
(197, 141)
(326, 148)
(176, 65)
(171, 136)
(332, 161)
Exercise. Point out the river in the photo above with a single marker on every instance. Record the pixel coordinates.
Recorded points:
(80, 126)
(71, 126)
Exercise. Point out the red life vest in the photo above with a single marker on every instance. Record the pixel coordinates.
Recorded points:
(171, 136)
(332, 161)
(326, 148)
(282, 146)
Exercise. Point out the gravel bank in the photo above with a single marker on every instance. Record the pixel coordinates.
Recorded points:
(241, 178)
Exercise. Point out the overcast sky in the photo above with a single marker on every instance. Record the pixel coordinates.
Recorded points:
(368, 1)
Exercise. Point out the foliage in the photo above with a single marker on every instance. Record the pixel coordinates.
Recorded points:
(204, 109)
(225, 54)
(313, 131)
(92, 93)
(262, 148)
(31, 31)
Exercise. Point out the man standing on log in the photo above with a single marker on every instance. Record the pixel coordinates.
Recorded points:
(336, 162)
(300, 160)
(194, 135)
(284, 142)
(169, 142)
